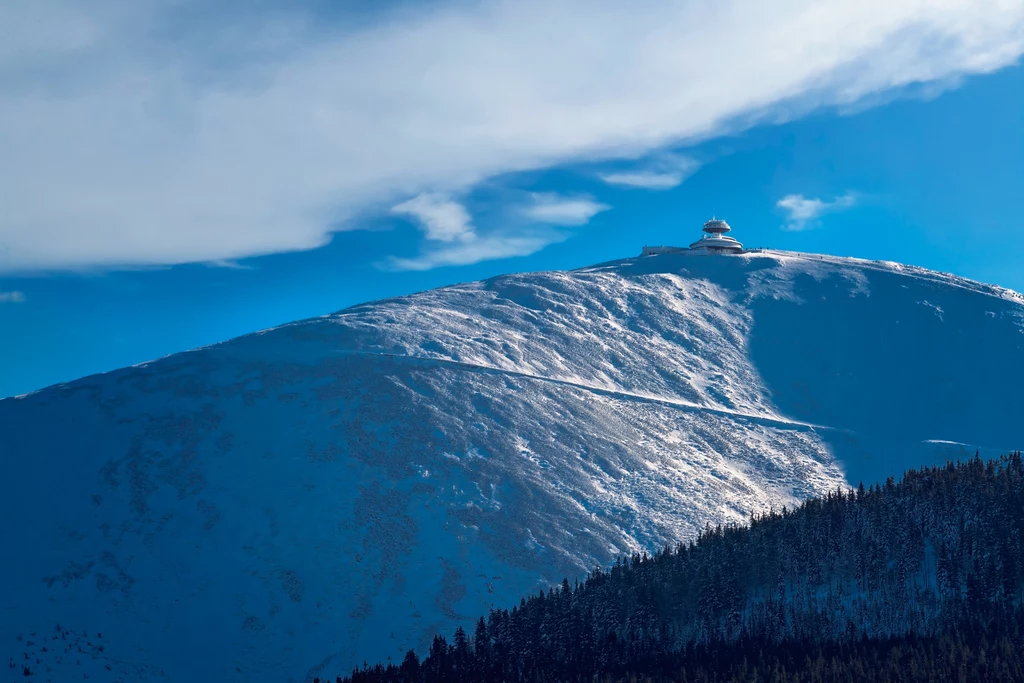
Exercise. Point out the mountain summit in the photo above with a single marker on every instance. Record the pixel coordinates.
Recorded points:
(347, 486)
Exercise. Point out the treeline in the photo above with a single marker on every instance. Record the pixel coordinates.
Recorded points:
(994, 654)
(845, 585)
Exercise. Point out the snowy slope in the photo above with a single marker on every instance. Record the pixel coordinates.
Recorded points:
(341, 488)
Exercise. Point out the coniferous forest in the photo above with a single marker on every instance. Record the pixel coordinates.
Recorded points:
(920, 580)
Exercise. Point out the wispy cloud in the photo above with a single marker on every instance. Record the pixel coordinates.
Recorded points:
(549, 217)
(442, 218)
(663, 173)
(803, 212)
(648, 180)
(480, 249)
(262, 131)
(14, 297)
(228, 264)
(560, 210)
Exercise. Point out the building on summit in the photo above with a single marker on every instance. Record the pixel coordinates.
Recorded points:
(714, 241)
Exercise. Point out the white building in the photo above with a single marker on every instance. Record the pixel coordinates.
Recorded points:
(714, 241)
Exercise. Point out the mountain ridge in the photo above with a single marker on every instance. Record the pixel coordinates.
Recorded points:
(944, 277)
(399, 465)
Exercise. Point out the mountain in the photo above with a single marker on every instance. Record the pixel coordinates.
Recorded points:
(344, 487)
(929, 570)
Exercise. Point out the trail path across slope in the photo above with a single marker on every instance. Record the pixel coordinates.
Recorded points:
(777, 422)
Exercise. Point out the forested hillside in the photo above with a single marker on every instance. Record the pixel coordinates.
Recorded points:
(925, 572)
(993, 653)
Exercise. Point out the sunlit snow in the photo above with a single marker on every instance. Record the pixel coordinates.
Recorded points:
(338, 489)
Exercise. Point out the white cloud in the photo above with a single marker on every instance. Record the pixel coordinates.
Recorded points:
(663, 174)
(803, 213)
(133, 133)
(14, 297)
(481, 249)
(549, 214)
(648, 180)
(442, 218)
(227, 264)
(559, 210)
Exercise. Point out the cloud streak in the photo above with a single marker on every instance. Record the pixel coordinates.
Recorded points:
(803, 213)
(135, 134)
(481, 249)
(14, 297)
(664, 174)
(451, 241)
(442, 219)
(559, 210)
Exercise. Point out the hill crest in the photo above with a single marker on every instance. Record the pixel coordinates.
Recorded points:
(400, 466)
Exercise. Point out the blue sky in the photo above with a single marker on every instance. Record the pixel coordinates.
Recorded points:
(174, 177)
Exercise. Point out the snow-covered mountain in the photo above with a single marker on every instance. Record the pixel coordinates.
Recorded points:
(342, 488)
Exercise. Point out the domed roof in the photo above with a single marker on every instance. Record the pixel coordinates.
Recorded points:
(716, 225)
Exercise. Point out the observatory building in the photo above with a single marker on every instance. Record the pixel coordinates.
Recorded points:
(714, 241)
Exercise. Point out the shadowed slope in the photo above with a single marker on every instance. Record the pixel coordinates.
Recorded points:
(344, 487)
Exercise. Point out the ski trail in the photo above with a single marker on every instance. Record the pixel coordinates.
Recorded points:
(777, 422)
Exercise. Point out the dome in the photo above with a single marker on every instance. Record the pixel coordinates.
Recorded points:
(716, 226)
